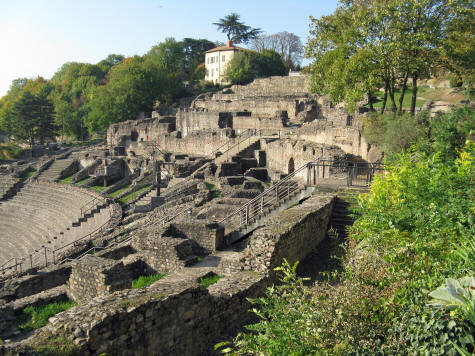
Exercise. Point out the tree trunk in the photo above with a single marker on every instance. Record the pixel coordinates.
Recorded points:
(414, 94)
(393, 102)
(370, 101)
(385, 99)
(403, 91)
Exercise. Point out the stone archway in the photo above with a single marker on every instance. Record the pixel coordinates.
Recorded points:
(291, 166)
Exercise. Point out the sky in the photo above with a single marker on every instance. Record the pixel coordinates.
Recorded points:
(38, 36)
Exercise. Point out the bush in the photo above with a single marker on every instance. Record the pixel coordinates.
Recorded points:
(10, 151)
(415, 231)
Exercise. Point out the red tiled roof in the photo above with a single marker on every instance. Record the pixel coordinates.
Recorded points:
(225, 48)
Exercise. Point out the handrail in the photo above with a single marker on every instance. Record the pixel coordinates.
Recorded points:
(89, 203)
(285, 187)
(275, 187)
(44, 250)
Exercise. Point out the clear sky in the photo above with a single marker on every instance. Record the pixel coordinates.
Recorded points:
(38, 36)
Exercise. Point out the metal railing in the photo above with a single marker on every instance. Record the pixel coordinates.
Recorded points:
(359, 174)
(35, 258)
(90, 205)
(281, 191)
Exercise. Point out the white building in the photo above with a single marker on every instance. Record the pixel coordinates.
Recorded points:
(216, 60)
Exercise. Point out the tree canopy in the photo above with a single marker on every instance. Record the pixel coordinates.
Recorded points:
(236, 30)
(365, 45)
(245, 66)
(287, 44)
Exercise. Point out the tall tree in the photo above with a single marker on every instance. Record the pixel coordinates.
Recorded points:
(288, 45)
(235, 30)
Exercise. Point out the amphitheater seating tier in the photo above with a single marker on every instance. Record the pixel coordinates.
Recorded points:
(48, 214)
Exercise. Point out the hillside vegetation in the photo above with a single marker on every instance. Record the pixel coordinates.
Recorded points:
(416, 229)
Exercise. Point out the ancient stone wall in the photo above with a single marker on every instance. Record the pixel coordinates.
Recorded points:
(177, 316)
(210, 236)
(337, 127)
(201, 143)
(289, 154)
(93, 276)
(47, 278)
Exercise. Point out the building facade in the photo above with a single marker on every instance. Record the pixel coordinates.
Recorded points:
(216, 60)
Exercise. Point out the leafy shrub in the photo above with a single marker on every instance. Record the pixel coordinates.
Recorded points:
(10, 151)
(144, 281)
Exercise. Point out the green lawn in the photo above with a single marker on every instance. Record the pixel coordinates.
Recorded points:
(406, 103)
(144, 281)
(131, 196)
(119, 191)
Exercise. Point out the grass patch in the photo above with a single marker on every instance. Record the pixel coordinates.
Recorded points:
(98, 188)
(131, 196)
(268, 183)
(119, 191)
(144, 281)
(406, 103)
(82, 181)
(10, 151)
(55, 345)
(66, 180)
(209, 186)
(208, 281)
(27, 174)
(33, 318)
(215, 194)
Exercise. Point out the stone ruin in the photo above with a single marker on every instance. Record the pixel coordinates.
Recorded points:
(227, 186)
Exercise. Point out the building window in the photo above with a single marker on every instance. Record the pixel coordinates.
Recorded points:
(212, 72)
(207, 60)
(224, 59)
(207, 72)
(212, 59)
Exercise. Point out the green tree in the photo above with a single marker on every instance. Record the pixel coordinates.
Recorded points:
(248, 65)
(235, 30)
(365, 44)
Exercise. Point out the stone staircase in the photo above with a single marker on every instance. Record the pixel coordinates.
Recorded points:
(53, 172)
(341, 218)
(282, 195)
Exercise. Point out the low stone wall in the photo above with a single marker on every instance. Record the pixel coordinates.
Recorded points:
(93, 276)
(177, 316)
(210, 236)
(29, 284)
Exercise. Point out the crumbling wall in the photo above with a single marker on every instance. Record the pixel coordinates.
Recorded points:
(93, 276)
(290, 154)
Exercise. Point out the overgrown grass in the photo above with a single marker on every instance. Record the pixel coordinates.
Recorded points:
(10, 151)
(66, 180)
(209, 185)
(98, 188)
(82, 181)
(144, 281)
(131, 196)
(33, 318)
(27, 174)
(119, 191)
(208, 281)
